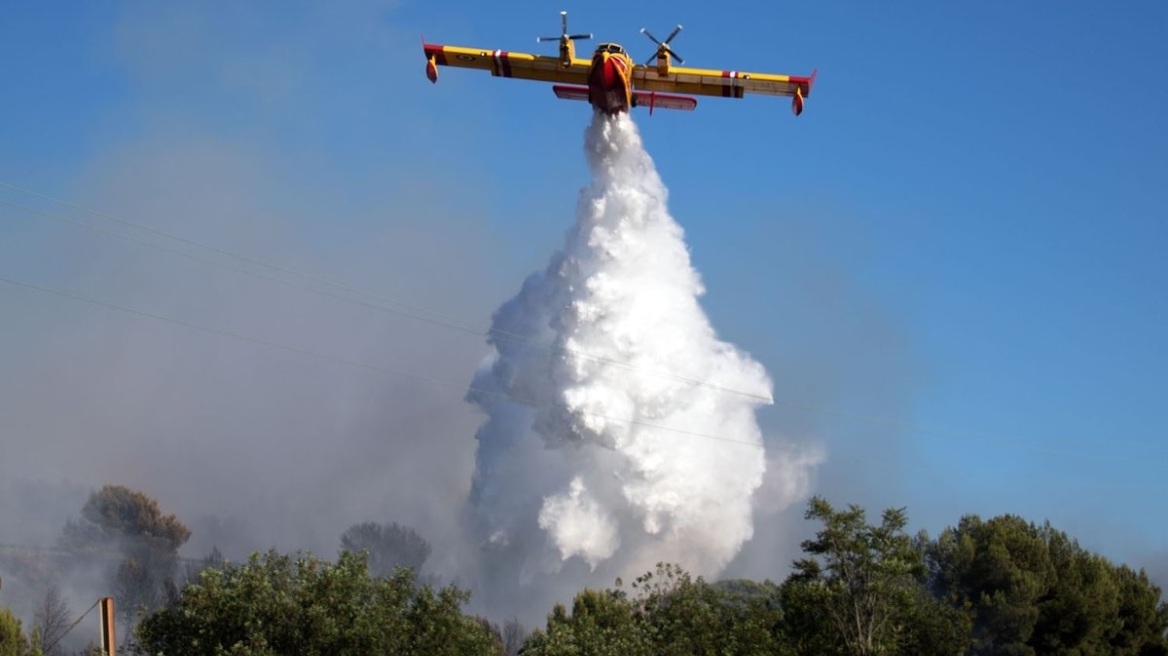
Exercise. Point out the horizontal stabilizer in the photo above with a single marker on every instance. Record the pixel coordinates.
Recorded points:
(650, 99)
(653, 100)
(571, 93)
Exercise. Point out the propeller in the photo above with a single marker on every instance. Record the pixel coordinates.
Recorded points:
(663, 45)
(564, 36)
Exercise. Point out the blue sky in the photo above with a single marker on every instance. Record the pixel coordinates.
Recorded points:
(952, 264)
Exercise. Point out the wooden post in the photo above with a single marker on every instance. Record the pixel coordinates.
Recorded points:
(108, 628)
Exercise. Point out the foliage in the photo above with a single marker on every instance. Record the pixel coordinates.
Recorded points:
(193, 569)
(278, 604)
(1142, 615)
(930, 627)
(673, 613)
(998, 586)
(1034, 591)
(689, 616)
(118, 512)
(388, 545)
(861, 580)
(496, 636)
(12, 639)
(602, 623)
(119, 520)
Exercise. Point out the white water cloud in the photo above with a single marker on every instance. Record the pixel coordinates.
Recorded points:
(620, 429)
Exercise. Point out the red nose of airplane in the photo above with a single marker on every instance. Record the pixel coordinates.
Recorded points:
(608, 66)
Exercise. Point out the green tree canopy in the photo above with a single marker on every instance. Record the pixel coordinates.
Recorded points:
(1142, 616)
(688, 616)
(672, 614)
(856, 587)
(12, 639)
(278, 604)
(1034, 591)
(602, 623)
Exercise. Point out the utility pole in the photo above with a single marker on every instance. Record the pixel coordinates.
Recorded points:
(108, 627)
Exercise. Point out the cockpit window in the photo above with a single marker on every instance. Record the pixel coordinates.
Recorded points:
(612, 48)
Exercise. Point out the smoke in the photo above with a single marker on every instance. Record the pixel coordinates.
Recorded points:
(253, 447)
(1157, 568)
(239, 130)
(620, 430)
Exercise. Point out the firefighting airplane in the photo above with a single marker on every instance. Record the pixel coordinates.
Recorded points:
(611, 82)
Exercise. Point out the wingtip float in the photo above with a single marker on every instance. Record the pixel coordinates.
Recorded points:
(611, 82)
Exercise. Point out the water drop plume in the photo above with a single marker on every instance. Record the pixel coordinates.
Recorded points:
(620, 431)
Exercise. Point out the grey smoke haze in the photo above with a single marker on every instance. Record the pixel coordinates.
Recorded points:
(252, 446)
(209, 422)
(1157, 568)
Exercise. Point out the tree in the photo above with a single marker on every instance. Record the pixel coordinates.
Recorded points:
(999, 569)
(688, 616)
(213, 559)
(1079, 612)
(12, 640)
(278, 604)
(672, 614)
(1143, 617)
(495, 634)
(513, 634)
(136, 588)
(805, 629)
(1035, 591)
(118, 512)
(52, 620)
(930, 627)
(854, 590)
(602, 623)
(388, 546)
(117, 519)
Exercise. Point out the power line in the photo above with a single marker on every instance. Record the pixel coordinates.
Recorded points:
(227, 266)
(24, 550)
(463, 387)
(49, 647)
(421, 313)
(953, 435)
(411, 310)
(365, 365)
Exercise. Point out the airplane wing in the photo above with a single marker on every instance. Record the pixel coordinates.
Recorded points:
(727, 84)
(507, 64)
